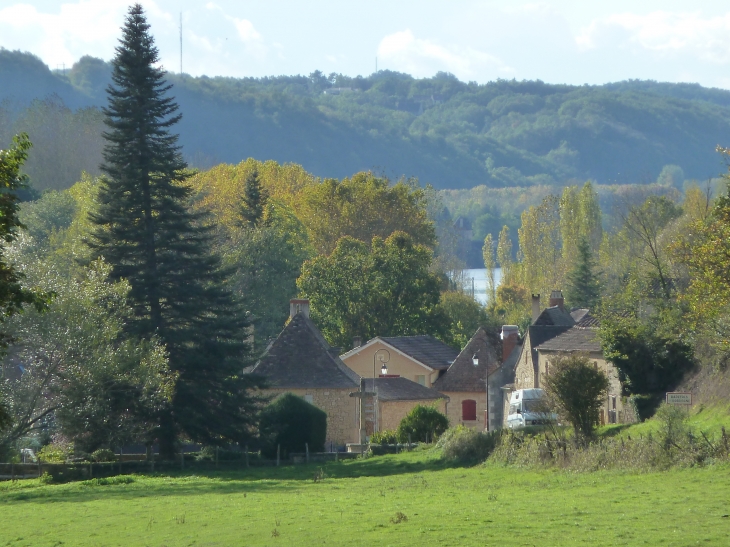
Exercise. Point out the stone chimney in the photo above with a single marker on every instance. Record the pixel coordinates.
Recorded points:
(535, 307)
(298, 305)
(509, 336)
(556, 299)
(356, 342)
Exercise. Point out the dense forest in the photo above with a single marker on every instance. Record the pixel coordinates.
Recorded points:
(445, 132)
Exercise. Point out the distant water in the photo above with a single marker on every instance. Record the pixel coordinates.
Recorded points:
(479, 277)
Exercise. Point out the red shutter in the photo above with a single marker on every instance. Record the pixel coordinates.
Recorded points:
(468, 410)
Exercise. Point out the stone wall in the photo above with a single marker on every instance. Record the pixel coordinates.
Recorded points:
(342, 412)
(391, 413)
(453, 408)
(525, 370)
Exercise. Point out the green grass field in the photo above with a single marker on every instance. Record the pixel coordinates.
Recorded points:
(405, 499)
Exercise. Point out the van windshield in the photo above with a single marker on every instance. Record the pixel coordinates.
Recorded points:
(533, 405)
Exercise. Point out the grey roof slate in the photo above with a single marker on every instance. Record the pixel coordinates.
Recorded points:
(425, 349)
(575, 339)
(554, 316)
(462, 375)
(402, 389)
(300, 357)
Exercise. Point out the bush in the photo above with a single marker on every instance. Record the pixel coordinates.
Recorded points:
(423, 424)
(103, 455)
(645, 405)
(467, 445)
(55, 453)
(290, 421)
(387, 436)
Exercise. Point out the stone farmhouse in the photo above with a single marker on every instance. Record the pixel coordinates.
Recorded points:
(557, 332)
(421, 359)
(300, 361)
(466, 384)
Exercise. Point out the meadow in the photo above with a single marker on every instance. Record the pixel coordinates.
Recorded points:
(405, 499)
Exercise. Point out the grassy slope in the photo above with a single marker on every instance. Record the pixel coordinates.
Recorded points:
(484, 505)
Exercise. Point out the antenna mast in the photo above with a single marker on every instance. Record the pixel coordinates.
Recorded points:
(181, 43)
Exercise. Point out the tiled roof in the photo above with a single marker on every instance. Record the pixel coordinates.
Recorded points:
(575, 339)
(462, 375)
(425, 349)
(583, 318)
(554, 316)
(300, 357)
(402, 389)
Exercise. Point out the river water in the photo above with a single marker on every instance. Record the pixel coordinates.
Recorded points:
(477, 278)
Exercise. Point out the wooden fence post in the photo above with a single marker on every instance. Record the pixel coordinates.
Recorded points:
(121, 453)
(246, 455)
(306, 450)
(216, 457)
(409, 442)
(12, 471)
(278, 453)
(182, 459)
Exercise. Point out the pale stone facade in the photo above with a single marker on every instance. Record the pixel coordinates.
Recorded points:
(391, 413)
(342, 412)
(399, 364)
(613, 407)
(454, 408)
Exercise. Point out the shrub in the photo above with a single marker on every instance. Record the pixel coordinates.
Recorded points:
(290, 421)
(55, 453)
(387, 436)
(467, 445)
(644, 405)
(423, 424)
(103, 455)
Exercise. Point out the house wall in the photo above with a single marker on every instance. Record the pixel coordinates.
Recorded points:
(614, 390)
(362, 363)
(342, 411)
(391, 413)
(525, 370)
(453, 408)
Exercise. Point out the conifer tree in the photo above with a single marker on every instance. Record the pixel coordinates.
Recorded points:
(583, 290)
(254, 200)
(146, 232)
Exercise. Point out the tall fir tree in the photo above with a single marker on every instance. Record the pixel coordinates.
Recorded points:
(583, 289)
(254, 200)
(145, 230)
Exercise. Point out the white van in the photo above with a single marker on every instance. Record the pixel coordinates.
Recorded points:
(526, 407)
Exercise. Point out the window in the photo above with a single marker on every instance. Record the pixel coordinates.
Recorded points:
(309, 399)
(421, 379)
(468, 410)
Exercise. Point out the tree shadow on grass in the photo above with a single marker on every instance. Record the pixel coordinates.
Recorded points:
(261, 480)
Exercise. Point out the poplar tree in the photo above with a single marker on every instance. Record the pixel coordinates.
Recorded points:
(144, 229)
(504, 252)
(490, 265)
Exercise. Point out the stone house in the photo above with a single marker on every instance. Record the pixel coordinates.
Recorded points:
(466, 384)
(583, 338)
(300, 361)
(556, 332)
(396, 397)
(421, 359)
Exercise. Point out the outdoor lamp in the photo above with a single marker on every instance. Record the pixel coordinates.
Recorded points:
(384, 369)
(475, 360)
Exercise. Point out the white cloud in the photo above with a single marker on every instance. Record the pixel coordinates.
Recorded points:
(85, 27)
(662, 32)
(404, 52)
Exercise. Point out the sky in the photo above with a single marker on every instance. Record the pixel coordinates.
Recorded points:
(562, 41)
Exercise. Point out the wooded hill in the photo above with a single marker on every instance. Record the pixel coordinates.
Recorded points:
(445, 132)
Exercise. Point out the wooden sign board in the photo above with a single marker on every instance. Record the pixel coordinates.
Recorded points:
(679, 398)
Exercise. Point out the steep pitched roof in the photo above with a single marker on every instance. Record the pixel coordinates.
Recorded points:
(575, 339)
(462, 375)
(425, 349)
(554, 316)
(300, 357)
(402, 389)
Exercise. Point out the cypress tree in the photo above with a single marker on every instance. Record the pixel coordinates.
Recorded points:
(583, 290)
(254, 200)
(144, 229)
